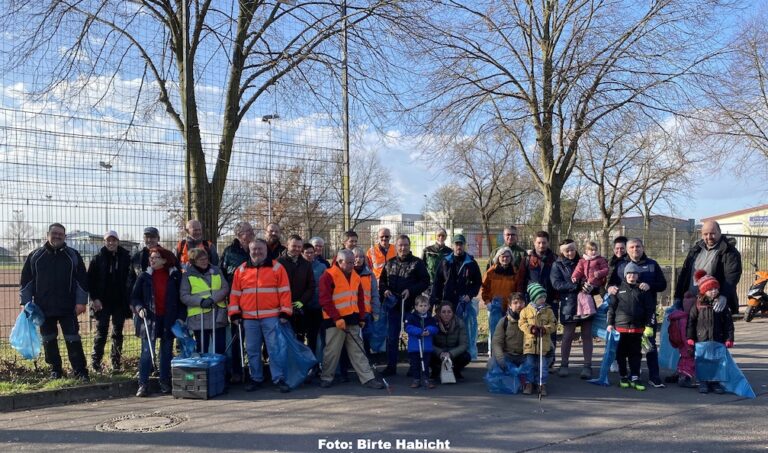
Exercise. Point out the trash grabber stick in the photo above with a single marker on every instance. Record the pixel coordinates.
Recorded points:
(149, 339)
(373, 368)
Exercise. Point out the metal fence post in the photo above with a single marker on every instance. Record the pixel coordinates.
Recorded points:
(674, 262)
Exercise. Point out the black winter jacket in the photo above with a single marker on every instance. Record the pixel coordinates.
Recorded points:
(301, 278)
(142, 296)
(650, 273)
(567, 290)
(234, 255)
(632, 308)
(727, 271)
(456, 276)
(56, 279)
(704, 324)
(538, 270)
(400, 274)
(108, 279)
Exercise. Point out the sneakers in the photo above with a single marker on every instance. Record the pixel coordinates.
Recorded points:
(543, 390)
(165, 388)
(656, 383)
(685, 381)
(636, 384)
(283, 386)
(325, 384)
(390, 371)
(703, 388)
(374, 384)
(250, 386)
(586, 373)
(415, 384)
(528, 389)
(563, 371)
(143, 391)
(624, 383)
(428, 384)
(56, 374)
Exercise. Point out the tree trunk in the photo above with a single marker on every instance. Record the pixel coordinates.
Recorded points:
(487, 232)
(552, 220)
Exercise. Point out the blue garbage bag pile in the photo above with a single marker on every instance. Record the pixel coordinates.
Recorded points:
(668, 355)
(509, 381)
(188, 345)
(298, 358)
(714, 363)
(600, 320)
(467, 312)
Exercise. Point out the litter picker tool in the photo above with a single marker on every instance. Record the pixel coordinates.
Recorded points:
(424, 380)
(149, 338)
(373, 368)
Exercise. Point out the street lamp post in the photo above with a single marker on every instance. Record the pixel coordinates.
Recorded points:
(108, 167)
(268, 119)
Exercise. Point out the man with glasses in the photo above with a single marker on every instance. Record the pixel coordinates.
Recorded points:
(381, 252)
(435, 253)
(510, 240)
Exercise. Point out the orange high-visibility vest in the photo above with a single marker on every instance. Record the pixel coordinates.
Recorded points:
(182, 250)
(378, 259)
(260, 292)
(365, 280)
(344, 292)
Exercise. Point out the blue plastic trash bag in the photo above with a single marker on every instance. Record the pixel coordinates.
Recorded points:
(509, 382)
(24, 336)
(494, 316)
(188, 345)
(379, 331)
(468, 312)
(297, 358)
(668, 355)
(611, 344)
(600, 320)
(714, 363)
(35, 313)
(391, 302)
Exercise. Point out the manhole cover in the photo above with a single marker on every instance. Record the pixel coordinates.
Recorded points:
(142, 423)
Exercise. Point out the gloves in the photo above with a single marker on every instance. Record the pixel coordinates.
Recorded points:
(538, 331)
(609, 328)
(341, 324)
(206, 303)
(534, 330)
(142, 313)
(298, 304)
(729, 344)
(648, 332)
(690, 342)
(235, 318)
(361, 324)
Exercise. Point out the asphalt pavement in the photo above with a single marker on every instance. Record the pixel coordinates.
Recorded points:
(576, 416)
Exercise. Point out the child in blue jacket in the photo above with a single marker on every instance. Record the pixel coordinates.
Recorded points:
(420, 328)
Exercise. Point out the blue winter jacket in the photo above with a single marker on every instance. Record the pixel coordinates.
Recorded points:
(414, 326)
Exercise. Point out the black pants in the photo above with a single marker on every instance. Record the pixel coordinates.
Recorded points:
(459, 363)
(103, 318)
(71, 330)
(313, 320)
(630, 348)
(416, 364)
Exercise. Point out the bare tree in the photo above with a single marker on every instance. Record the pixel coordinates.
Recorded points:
(371, 192)
(234, 200)
(20, 233)
(546, 72)
(254, 45)
(450, 204)
(487, 166)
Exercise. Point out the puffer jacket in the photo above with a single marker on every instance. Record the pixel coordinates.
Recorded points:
(540, 317)
(193, 301)
(400, 274)
(56, 279)
(142, 296)
(538, 270)
(454, 340)
(705, 324)
(508, 339)
(632, 310)
(414, 326)
(567, 291)
(234, 255)
(501, 282)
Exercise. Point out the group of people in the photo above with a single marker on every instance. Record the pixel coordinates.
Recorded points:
(257, 284)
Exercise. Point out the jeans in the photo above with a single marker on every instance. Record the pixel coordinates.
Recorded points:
(532, 360)
(165, 355)
(393, 337)
(258, 331)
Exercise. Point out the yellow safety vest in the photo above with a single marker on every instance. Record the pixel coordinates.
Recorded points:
(199, 287)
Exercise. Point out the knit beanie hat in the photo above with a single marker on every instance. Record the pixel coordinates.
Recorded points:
(705, 282)
(631, 268)
(535, 292)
